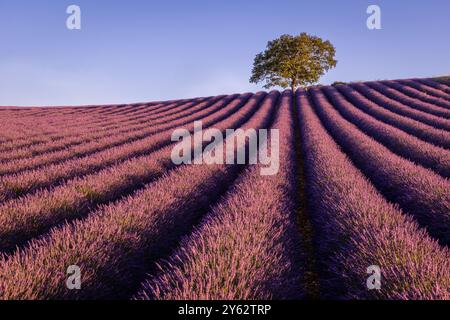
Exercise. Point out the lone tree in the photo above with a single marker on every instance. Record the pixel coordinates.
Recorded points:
(292, 61)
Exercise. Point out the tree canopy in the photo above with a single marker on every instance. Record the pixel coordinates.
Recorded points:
(292, 61)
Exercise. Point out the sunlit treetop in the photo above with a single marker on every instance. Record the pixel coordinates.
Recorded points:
(292, 61)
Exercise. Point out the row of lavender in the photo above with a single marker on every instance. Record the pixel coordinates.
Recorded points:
(18, 184)
(419, 191)
(111, 139)
(248, 246)
(33, 124)
(116, 244)
(354, 225)
(115, 125)
(49, 160)
(66, 126)
(130, 113)
(29, 216)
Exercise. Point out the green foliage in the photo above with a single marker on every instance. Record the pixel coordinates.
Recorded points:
(292, 61)
(337, 83)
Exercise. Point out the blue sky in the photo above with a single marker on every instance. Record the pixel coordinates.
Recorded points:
(132, 51)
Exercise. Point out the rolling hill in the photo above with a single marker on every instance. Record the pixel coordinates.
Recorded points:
(363, 181)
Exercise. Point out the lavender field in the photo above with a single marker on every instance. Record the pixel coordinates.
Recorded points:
(363, 181)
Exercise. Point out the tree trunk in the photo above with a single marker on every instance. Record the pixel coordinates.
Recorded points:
(293, 85)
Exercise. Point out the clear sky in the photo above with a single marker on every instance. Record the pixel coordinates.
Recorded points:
(136, 50)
